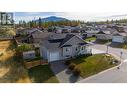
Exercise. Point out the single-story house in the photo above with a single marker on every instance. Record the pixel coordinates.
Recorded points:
(119, 38)
(91, 33)
(37, 36)
(61, 48)
(29, 54)
(105, 34)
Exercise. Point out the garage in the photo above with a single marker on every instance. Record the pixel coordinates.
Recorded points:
(54, 56)
(119, 39)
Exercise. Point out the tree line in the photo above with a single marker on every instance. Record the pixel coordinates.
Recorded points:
(39, 23)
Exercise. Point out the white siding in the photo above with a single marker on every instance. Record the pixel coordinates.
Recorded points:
(119, 39)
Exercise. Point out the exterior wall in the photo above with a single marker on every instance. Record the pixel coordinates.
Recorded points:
(44, 52)
(85, 50)
(104, 37)
(119, 39)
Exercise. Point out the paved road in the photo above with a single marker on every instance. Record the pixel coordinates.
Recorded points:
(63, 74)
(113, 75)
(114, 51)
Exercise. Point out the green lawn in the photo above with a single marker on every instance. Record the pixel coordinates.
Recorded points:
(90, 39)
(92, 64)
(42, 74)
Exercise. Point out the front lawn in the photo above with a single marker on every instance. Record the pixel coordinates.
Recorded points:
(92, 64)
(89, 39)
(42, 74)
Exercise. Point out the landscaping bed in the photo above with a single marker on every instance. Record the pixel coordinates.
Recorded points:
(42, 74)
(90, 65)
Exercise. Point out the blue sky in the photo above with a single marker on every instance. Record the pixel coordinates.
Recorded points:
(27, 16)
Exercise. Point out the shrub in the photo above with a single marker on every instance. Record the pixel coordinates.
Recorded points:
(67, 62)
(76, 71)
(71, 66)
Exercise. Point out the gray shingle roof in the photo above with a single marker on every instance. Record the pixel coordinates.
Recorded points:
(54, 44)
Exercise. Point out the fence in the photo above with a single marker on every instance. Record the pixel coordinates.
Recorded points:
(31, 64)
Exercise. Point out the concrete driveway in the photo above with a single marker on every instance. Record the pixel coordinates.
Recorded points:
(62, 73)
(112, 75)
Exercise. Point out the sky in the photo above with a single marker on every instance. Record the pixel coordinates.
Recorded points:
(27, 16)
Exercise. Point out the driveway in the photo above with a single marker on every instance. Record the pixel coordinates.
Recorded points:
(112, 75)
(62, 73)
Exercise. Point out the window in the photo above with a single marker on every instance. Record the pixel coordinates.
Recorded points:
(82, 48)
(67, 49)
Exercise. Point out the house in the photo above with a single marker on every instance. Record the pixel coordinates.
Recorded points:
(37, 36)
(119, 38)
(29, 54)
(105, 34)
(27, 31)
(64, 47)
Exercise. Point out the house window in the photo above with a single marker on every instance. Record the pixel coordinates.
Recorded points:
(82, 48)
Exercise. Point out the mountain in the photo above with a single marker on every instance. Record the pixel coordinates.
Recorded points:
(52, 18)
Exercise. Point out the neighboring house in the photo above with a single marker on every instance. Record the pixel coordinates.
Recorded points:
(27, 31)
(29, 55)
(119, 38)
(91, 33)
(54, 49)
(37, 37)
(105, 34)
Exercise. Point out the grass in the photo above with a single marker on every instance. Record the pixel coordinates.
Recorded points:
(92, 64)
(42, 74)
(90, 39)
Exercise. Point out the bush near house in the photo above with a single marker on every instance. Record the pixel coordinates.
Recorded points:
(76, 71)
(71, 66)
(22, 48)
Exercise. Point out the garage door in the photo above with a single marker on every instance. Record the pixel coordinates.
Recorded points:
(117, 39)
(54, 56)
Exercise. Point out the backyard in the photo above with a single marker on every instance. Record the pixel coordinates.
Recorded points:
(90, 65)
(11, 71)
(89, 39)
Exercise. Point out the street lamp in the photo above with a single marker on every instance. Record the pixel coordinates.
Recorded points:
(107, 49)
(121, 56)
(120, 59)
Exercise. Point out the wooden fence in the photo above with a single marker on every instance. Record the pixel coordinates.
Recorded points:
(31, 64)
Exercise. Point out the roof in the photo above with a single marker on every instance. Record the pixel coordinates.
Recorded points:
(41, 35)
(107, 31)
(54, 44)
(68, 37)
(120, 34)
